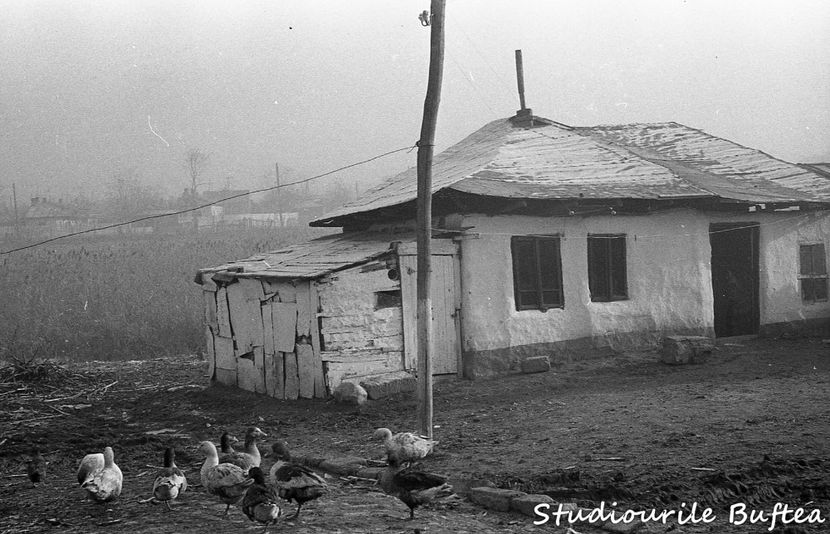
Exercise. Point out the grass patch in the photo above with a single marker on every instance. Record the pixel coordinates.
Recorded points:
(118, 298)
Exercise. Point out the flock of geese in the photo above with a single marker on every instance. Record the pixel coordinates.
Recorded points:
(236, 478)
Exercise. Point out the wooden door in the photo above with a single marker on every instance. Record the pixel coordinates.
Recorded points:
(735, 277)
(445, 296)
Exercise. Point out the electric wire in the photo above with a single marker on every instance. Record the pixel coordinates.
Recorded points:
(205, 205)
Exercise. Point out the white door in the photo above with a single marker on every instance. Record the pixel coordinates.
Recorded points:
(445, 296)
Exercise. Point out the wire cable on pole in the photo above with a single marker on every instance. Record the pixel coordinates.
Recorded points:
(205, 205)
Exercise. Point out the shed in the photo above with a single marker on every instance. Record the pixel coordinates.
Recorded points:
(298, 321)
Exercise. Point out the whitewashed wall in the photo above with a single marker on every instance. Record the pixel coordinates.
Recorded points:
(669, 283)
(357, 339)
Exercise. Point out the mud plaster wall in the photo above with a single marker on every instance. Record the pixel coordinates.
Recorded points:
(359, 338)
(779, 290)
(669, 286)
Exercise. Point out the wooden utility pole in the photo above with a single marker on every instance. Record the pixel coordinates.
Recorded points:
(424, 216)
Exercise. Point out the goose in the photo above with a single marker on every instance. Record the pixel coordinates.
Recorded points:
(170, 482)
(260, 500)
(100, 477)
(36, 467)
(294, 481)
(404, 447)
(226, 481)
(248, 457)
(412, 486)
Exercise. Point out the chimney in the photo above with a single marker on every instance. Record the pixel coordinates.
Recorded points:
(524, 116)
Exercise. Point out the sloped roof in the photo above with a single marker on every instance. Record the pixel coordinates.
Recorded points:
(312, 259)
(636, 161)
(820, 168)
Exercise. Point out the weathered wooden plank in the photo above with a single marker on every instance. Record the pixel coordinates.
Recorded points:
(246, 373)
(208, 284)
(225, 357)
(259, 364)
(305, 368)
(268, 289)
(246, 317)
(303, 310)
(320, 391)
(226, 376)
(292, 378)
(252, 288)
(285, 325)
(436, 246)
(223, 313)
(209, 298)
(267, 328)
(210, 353)
(409, 305)
(279, 373)
(273, 376)
(288, 293)
(319, 372)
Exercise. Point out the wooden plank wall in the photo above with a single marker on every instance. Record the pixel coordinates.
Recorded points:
(263, 336)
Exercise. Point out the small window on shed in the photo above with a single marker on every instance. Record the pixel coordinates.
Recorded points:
(388, 299)
(607, 278)
(813, 274)
(537, 272)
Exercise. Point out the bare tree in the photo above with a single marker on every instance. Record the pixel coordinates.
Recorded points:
(126, 197)
(196, 161)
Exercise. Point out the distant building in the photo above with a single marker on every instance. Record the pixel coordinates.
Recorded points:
(55, 217)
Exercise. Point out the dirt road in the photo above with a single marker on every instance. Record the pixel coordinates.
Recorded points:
(752, 425)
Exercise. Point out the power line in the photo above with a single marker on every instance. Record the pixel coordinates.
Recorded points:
(208, 204)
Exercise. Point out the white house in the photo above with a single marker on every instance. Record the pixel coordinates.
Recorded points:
(554, 240)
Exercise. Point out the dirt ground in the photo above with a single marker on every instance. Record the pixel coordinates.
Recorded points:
(752, 425)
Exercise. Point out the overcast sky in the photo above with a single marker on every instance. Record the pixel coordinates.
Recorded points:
(89, 90)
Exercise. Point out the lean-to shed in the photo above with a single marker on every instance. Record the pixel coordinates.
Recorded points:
(298, 321)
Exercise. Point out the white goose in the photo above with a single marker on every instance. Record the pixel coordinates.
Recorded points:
(404, 448)
(100, 477)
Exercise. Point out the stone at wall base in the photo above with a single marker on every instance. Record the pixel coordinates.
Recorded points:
(536, 364)
(679, 350)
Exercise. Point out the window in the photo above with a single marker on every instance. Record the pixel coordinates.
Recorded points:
(388, 299)
(607, 279)
(537, 273)
(813, 275)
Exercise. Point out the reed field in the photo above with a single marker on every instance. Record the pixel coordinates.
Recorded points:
(118, 297)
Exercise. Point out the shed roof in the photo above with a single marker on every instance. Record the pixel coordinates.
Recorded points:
(311, 259)
(549, 160)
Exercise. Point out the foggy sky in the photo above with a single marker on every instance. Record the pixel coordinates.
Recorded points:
(89, 90)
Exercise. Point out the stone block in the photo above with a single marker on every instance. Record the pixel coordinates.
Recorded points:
(525, 504)
(350, 393)
(536, 364)
(494, 498)
(679, 350)
(381, 386)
